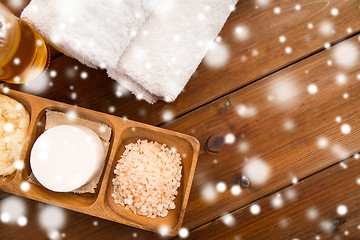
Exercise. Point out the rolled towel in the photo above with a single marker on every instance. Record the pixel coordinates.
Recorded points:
(95, 32)
(169, 46)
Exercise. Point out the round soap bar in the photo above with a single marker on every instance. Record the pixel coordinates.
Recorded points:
(66, 157)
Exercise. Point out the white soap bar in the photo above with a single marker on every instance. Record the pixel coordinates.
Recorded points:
(66, 157)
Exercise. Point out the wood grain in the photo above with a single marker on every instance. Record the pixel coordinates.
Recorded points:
(277, 121)
(304, 211)
(262, 53)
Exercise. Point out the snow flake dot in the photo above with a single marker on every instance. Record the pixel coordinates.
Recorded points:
(228, 220)
(297, 7)
(357, 156)
(167, 115)
(53, 73)
(312, 89)
(230, 138)
(135, 235)
(310, 26)
(282, 39)
(22, 221)
(17, 79)
(345, 95)
(73, 95)
(8, 127)
(277, 201)
(341, 79)
(349, 30)
(164, 230)
(277, 10)
(84, 75)
(221, 187)
(242, 32)
(343, 165)
(326, 28)
(6, 90)
(5, 217)
(17, 61)
(255, 53)
(346, 232)
(327, 45)
(345, 128)
(235, 190)
(358, 76)
(358, 181)
(25, 186)
(288, 50)
(334, 12)
(255, 209)
(111, 109)
(346, 55)
(294, 180)
(342, 210)
(183, 232)
(19, 165)
(338, 119)
(329, 62)
(95, 223)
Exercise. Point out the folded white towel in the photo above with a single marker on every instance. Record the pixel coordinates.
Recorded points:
(163, 47)
(169, 46)
(96, 32)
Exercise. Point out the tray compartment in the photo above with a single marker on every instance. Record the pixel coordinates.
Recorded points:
(188, 154)
(70, 199)
(26, 103)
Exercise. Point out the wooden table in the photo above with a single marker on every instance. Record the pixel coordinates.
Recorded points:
(286, 97)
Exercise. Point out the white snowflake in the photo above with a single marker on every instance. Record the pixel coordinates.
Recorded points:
(346, 55)
(217, 56)
(257, 171)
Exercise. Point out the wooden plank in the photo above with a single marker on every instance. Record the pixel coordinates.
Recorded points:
(289, 152)
(293, 133)
(308, 210)
(261, 54)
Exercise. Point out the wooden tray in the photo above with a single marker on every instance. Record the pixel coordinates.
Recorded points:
(101, 204)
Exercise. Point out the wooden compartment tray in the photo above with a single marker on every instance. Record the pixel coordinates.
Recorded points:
(101, 204)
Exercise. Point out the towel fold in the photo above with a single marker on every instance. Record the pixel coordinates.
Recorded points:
(95, 32)
(169, 46)
(164, 42)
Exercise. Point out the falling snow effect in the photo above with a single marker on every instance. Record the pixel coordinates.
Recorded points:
(341, 79)
(312, 213)
(230, 138)
(277, 201)
(243, 146)
(246, 111)
(242, 33)
(167, 115)
(228, 220)
(342, 210)
(183, 232)
(346, 55)
(12, 209)
(52, 219)
(322, 142)
(257, 170)
(284, 91)
(164, 230)
(326, 28)
(209, 193)
(217, 56)
(221, 187)
(255, 209)
(235, 190)
(37, 86)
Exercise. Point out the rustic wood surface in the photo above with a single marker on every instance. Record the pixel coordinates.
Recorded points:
(307, 210)
(273, 118)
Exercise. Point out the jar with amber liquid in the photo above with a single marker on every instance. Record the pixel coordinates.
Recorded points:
(23, 53)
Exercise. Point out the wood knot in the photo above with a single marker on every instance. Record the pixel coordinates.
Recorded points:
(215, 143)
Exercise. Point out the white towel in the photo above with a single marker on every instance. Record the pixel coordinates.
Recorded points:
(96, 32)
(170, 42)
(169, 46)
